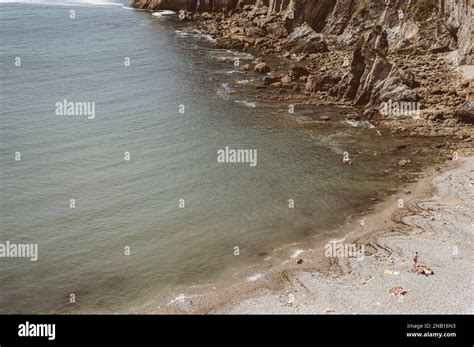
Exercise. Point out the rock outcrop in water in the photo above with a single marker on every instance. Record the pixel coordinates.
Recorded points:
(365, 52)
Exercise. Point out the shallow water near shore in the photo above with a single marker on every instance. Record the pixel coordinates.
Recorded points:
(135, 203)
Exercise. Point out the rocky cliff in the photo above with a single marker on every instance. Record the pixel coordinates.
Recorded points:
(413, 26)
(365, 52)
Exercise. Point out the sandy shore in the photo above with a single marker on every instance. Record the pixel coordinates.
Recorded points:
(437, 221)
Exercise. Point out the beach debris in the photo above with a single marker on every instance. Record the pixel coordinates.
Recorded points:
(390, 272)
(329, 310)
(423, 270)
(420, 269)
(398, 290)
(300, 261)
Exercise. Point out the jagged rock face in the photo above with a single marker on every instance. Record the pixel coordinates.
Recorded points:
(459, 16)
(313, 12)
(347, 87)
(305, 40)
(189, 5)
(446, 25)
(372, 79)
(377, 67)
(340, 17)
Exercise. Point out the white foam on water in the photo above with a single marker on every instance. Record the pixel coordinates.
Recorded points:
(210, 38)
(296, 253)
(359, 124)
(193, 33)
(247, 103)
(180, 33)
(224, 90)
(181, 298)
(163, 13)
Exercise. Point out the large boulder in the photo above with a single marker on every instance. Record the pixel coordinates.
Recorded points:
(373, 75)
(324, 82)
(229, 43)
(296, 72)
(465, 113)
(400, 85)
(255, 31)
(305, 40)
(277, 30)
(262, 68)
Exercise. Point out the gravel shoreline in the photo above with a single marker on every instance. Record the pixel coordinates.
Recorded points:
(437, 222)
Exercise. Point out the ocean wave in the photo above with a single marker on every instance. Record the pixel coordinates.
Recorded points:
(244, 81)
(247, 103)
(193, 33)
(296, 253)
(163, 14)
(230, 55)
(224, 90)
(359, 124)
